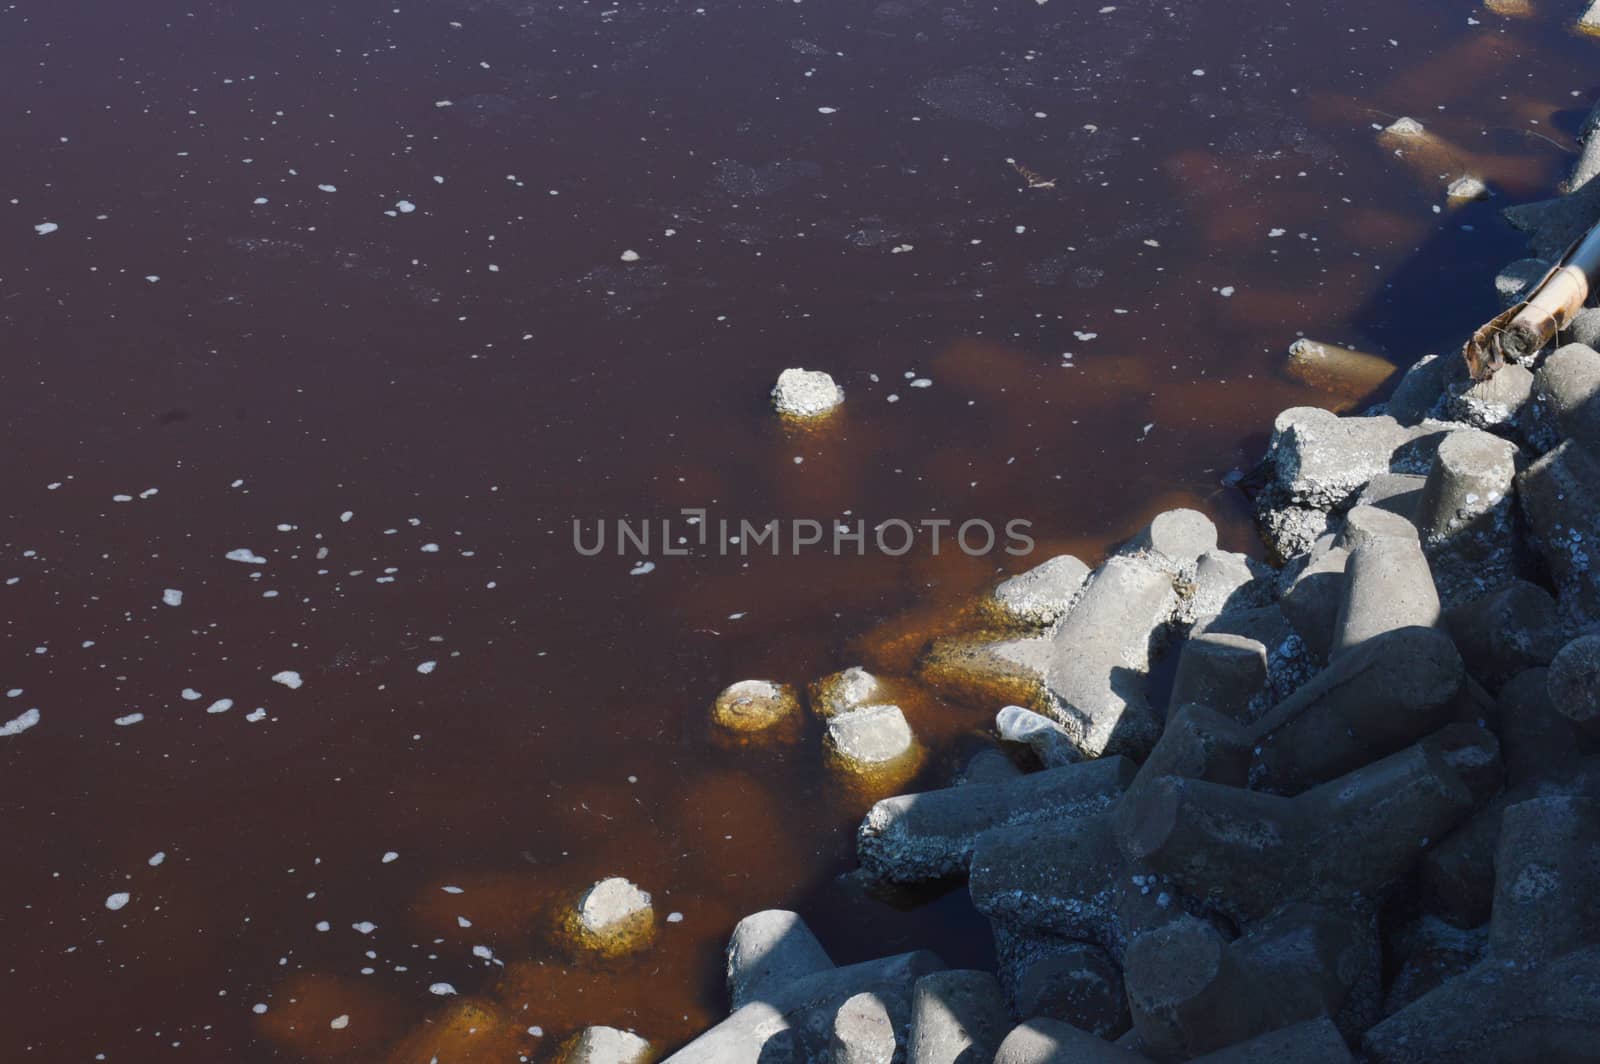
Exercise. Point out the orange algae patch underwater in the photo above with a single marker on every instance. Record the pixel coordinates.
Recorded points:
(322, 1017)
(465, 1032)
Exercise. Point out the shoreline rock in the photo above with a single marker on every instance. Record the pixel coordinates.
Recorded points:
(1366, 816)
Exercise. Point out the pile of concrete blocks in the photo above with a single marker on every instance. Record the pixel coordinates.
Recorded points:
(1364, 823)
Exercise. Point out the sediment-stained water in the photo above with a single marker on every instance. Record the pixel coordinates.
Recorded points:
(320, 327)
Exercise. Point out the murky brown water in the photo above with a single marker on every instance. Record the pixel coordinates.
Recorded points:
(400, 412)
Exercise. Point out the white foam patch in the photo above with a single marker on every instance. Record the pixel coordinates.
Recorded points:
(248, 557)
(427, 667)
(131, 718)
(221, 705)
(18, 725)
(390, 857)
(441, 989)
(289, 678)
(191, 695)
(172, 597)
(118, 900)
(256, 716)
(339, 1023)
(46, 228)
(158, 858)
(366, 927)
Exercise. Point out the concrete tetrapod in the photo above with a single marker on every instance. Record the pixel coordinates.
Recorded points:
(957, 1017)
(1535, 997)
(1373, 700)
(1341, 844)
(918, 837)
(795, 1021)
(769, 950)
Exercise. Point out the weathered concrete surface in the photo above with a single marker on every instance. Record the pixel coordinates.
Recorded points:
(844, 691)
(1223, 582)
(1319, 462)
(1192, 992)
(989, 765)
(750, 707)
(1466, 515)
(1560, 495)
(606, 1045)
(769, 950)
(1226, 672)
(1176, 537)
(1506, 632)
(1042, 1041)
(919, 837)
(1063, 878)
(957, 1017)
(1311, 1042)
(1500, 403)
(1372, 701)
(1536, 994)
(613, 917)
(1543, 756)
(1430, 951)
(1574, 682)
(1311, 599)
(795, 1022)
(1341, 844)
(1041, 595)
(1289, 660)
(1049, 741)
(1076, 983)
(1563, 405)
(870, 736)
(1100, 658)
(864, 1032)
(1397, 493)
(1388, 585)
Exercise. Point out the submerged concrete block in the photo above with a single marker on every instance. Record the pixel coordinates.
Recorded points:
(606, 1045)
